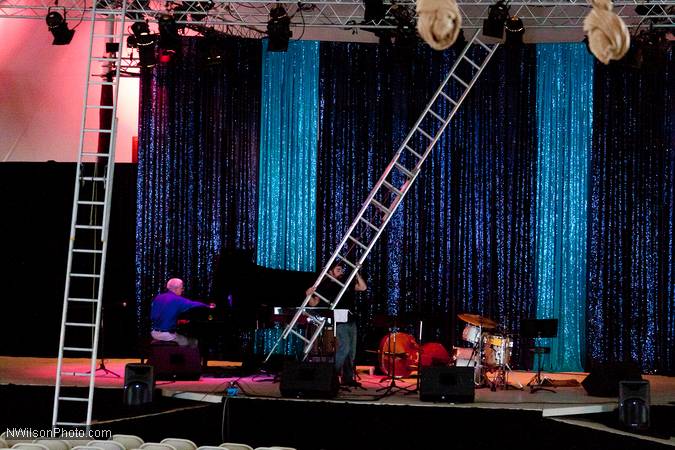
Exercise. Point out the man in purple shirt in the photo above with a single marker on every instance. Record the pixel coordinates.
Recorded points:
(166, 308)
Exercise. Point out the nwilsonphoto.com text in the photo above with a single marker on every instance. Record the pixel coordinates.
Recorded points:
(20, 433)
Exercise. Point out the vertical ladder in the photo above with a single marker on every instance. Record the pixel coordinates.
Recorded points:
(395, 182)
(81, 319)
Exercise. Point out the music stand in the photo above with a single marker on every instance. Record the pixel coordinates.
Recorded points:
(537, 329)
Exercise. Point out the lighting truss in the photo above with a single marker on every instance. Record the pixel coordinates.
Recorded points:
(250, 18)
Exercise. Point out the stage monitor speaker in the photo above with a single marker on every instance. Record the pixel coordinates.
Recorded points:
(139, 384)
(174, 362)
(447, 384)
(308, 380)
(604, 378)
(634, 405)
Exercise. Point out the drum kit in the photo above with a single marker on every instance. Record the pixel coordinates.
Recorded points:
(490, 353)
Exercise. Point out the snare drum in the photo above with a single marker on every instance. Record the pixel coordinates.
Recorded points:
(471, 334)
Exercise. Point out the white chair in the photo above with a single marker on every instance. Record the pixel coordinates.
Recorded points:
(235, 446)
(209, 447)
(180, 444)
(30, 446)
(86, 447)
(3, 443)
(106, 445)
(276, 447)
(156, 446)
(10, 442)
(53, 444)
(128, 441)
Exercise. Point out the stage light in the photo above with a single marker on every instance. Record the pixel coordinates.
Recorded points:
(145, 42)
(59, 28)
(514, 30)
(169, 42)
(493, 26)
(278, 30)
(211, 49)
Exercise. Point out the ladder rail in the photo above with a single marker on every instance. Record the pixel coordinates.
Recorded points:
(399, 192)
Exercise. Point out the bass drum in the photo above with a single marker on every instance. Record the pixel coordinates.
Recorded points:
(433, 354)
(399, 354)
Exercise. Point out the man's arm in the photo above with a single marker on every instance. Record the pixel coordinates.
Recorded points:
(360, 283)
(314, 300)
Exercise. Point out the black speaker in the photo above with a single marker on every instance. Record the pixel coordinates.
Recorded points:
(447, 384)
(634, 404)
(139, 384)
(604, 378)
(174, 362)
(308, 380)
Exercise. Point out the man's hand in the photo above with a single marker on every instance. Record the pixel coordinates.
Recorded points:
(212, 306)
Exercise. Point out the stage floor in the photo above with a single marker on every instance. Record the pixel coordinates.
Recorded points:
(559, 405)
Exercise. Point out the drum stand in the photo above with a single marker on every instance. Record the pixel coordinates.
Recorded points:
(392, 387)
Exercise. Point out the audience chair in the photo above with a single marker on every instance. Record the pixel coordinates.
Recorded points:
(180, 444)
(275, 447)
(235, 446)
(86, 447)
(53, 444)
(30, 446)
(3, 443)
(156, 446)
(106, 445)
(128, 441)
(209, 447)
(10, 442)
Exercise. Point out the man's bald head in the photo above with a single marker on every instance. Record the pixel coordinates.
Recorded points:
(175, 285)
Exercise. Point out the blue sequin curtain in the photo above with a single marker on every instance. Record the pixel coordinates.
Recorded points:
(197, 167)
(288, 152)
(631, 261)
(565, 124)
(463, 240)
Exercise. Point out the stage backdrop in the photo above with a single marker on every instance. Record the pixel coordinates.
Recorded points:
(496, 222)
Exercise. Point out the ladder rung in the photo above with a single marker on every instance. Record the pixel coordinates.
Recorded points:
(71, 424)
(425, 134)
(102, 83)
(76, 374)
(97, 130)
(346, 261)
(93, 178)
(89, 227)
(83, 300)
(105, 35)
(103, 58)
(392, 188)
(380, 206)
(298, 334)
(322, 297)
(74, 399)
(403, 169)
(359, 243)
(462, 82)
(82, 250)
(471, 62)
(97, 155)
(80, 324)
(100, 107)
(85, 275)
(335, 280)
(413, 152)
(454, 103)
(369, 224)
(485, 46)
(90, 202)
(78, 349)
(436, 115)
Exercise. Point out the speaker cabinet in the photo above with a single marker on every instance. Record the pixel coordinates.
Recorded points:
(447, 384)
(604, 378)
(173, 362)
(634, 402)
(139, 384)
(308, 380)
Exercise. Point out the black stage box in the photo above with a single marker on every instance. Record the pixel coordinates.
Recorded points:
(173, 362)
(604, 378)
(308, 380)
(447, 384)
(139, 384)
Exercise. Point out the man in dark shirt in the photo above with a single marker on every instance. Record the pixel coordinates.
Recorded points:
(166, 308)
(346, 333)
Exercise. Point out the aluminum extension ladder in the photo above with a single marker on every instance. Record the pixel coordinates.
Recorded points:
(81, 319)
(395, 182)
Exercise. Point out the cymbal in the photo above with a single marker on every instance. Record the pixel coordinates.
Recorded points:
(479, 321)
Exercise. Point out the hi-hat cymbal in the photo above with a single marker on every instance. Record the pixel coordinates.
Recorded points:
(479, 321)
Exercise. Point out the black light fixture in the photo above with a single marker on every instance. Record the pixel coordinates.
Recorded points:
(514, 30)
(211, 48)
(59, 28)
(406, 31)
(145, 42)
(493, 26)
(278, 30)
